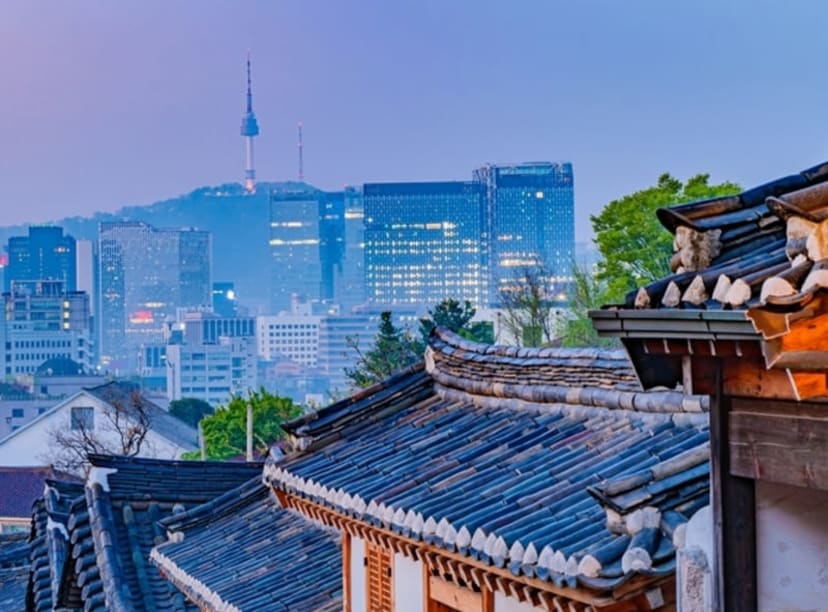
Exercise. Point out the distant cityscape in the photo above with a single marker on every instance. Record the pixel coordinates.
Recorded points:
(265, 284)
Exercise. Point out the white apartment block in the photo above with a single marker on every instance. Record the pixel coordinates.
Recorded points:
(289, 336)
(211, 372)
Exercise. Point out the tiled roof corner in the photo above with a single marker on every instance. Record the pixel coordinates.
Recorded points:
(763, 248)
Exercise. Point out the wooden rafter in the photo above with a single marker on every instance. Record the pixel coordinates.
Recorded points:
(476, 574)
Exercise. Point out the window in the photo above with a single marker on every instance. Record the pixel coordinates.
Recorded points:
(83, 417)
(378, 579)
(17, 413)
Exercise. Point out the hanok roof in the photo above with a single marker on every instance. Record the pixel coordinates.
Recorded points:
(14, 570)
(112, 527)
(727, 249)
(161, 422)
(747, 268)
(21, 486)
(243, 551)
(49, 542)
(491, 453)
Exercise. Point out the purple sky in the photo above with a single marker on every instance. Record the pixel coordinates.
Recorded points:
(109, 103)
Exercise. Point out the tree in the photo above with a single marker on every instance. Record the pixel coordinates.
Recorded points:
(120, 428)
(190, 410)
(457, 317)
(393, 350)
(635, 248)
(527, 307)
(225, 431)
(586, 293)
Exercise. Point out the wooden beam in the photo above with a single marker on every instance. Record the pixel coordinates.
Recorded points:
(734, 517)
(482, 575)
(788, 449)
(453, 595)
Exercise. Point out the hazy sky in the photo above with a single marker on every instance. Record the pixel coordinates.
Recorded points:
(109, 103)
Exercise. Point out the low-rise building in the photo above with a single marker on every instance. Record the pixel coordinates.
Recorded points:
(108, 417)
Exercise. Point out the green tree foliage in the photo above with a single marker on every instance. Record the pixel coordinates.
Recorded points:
(635, 248)
(190, 410)
(225, 431)
(586, 293)
(457, 317)
(393, 350)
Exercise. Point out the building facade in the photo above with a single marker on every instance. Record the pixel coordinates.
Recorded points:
(288, 336)
(425, 242)
(46, 253)
(144, 275)
(294, 247)
(43, 321)
(211, 372)
(531, 220)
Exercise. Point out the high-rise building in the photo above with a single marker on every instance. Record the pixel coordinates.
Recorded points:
(331, 242)
(144, 275)
(43, 321)
(45, 254)
(531, 217)
(295, 261)
(349, 291)
(425, 242)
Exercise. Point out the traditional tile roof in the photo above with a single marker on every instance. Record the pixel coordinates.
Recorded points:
(49, 542)
(763, 247)
(114, 523)
(21, 486)
(479, 462)
(14, 570)
(161, 421)
(242, 551)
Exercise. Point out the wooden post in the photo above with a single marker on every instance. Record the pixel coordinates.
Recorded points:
(249, 431)
(733, 501)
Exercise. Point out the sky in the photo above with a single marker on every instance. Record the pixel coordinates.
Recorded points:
(105, 104)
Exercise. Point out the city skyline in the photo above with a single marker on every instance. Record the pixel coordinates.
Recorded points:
(95, 118)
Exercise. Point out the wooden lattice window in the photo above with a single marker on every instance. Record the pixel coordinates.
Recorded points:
(378, 581)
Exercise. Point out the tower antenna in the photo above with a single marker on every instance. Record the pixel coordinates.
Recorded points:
(249, 130)
(301, 153)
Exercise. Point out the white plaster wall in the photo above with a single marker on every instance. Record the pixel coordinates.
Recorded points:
(357, 575)
(408, 584)
(30, 445)
(503, 603)
(792, 548)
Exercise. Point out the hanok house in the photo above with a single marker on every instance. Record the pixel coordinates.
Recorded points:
(90, 543)
(498, 479)
(744, 318)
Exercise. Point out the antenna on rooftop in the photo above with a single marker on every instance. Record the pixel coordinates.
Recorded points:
(301, 151)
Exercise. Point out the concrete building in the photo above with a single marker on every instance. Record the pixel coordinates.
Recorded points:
(211, 372)
(43, 321)
(288, 336)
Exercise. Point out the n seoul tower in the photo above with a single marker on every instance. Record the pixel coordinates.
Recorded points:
(249, 129)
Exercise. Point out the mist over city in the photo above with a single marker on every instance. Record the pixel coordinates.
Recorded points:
(438, 305)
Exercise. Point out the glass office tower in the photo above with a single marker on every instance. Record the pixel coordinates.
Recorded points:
(531, 217)
(45, 254)
(425, 242)
(144, 275)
